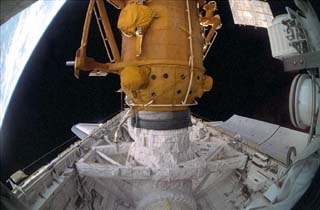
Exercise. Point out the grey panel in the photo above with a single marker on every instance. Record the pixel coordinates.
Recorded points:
(252, 132)
(278, 146)
(303, 61)
(270, 139)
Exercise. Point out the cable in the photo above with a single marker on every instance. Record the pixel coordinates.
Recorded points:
(64, 143)
(111, 116)
(52, 150)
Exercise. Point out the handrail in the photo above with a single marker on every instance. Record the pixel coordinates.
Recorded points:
(151, 104)
(191, 58)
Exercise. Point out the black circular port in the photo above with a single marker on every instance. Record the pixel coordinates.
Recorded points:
(165, 75)
(178, 91)
(153, 77)
(183, 76)
(153, 94)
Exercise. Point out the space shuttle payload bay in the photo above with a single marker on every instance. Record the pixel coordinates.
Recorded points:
(155, 154)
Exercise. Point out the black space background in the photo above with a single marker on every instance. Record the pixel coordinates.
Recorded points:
(48, 100)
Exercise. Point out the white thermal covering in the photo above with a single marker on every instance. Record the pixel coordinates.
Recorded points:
(298, 178)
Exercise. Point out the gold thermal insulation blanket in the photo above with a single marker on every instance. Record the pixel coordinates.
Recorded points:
(134, 16)
(207, 83)
(134, 78)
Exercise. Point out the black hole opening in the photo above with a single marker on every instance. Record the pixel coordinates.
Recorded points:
(153, 94)
(183, 76)
(153, 77)
(165, 75)
(178, 91)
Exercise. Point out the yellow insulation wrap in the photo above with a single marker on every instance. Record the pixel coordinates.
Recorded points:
(134, 78)
(133, 16)
(207, 83)
(166, 52)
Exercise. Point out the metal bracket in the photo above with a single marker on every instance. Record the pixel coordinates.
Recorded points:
(303, 61)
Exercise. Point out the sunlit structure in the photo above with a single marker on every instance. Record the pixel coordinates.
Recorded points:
(251, 12)
(19, 36)
(294, 39)
(154, 155)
